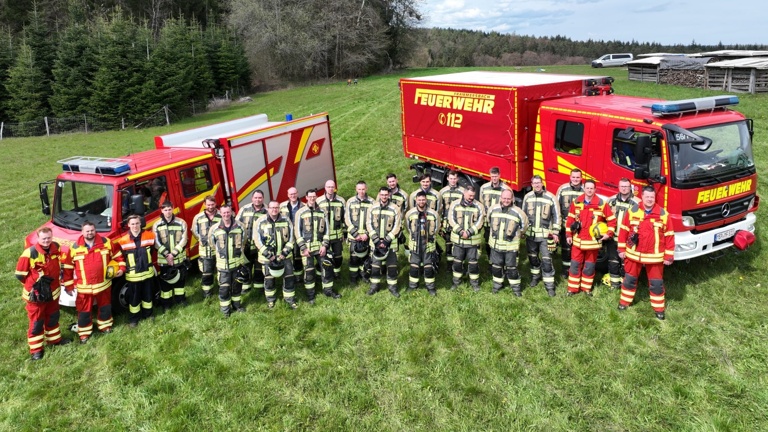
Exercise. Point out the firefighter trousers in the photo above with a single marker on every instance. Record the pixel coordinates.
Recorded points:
(43, 325)
(139, 296)
(582, 271)
(85, 303)
(655, 273)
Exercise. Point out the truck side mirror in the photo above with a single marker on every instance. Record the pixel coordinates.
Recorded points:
(641, 172)
(44, 199)
(137, 204)
(643, 150)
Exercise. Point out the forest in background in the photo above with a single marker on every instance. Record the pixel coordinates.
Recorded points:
(121, 60)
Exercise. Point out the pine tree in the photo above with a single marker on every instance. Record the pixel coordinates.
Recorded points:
(6, 60)
(120, 86)
(25, 87)
(39, 38)
(74, 68)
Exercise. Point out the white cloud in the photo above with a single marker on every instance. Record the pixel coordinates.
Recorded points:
(665, 21)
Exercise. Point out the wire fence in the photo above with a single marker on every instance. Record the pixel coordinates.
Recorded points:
(87, 123)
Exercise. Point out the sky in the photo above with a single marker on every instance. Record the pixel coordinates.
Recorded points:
(669, 22)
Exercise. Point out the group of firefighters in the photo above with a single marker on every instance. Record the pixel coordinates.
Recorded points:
(295, 240)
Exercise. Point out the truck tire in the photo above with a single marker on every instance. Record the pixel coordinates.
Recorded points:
(119, 299)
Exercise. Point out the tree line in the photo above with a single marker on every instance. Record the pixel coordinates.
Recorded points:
(459, 48)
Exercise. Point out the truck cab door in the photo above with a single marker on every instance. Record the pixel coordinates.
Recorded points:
(566, 146)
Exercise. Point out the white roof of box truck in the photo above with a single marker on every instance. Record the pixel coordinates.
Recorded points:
(503, 79)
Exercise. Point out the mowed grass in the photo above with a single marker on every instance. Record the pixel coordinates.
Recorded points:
(461, 361)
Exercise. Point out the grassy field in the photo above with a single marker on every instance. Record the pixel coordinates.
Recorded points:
(461, 361)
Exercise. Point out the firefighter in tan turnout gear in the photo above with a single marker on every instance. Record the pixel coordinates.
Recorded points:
(311, 232)
(619, 204)
(246, 217)
(384, 230)
(490, 194)
(333, 206)
(466, 217)
(356, 215)
(565, 194)
(506, 225)
(201, 227)
(227, 238)
(289, 209)
(448, 195)
(422, 223)
(542, 236)
(273, 238)
(171, 241)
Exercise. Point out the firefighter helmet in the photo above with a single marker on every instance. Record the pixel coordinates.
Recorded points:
(276, 268)
(380, 254)
(598, 230)
(327, 261)
(243, 274)
(360, 248)
(606, 280)
(111, 270)
(170, 275)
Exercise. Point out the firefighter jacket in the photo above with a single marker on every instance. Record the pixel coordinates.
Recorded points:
(288, 211)
(384, 224)
(565, 194)
(273, 237)
(170, 237)
(90, 265)
(506, 226)
(448, 195)
(543, 213)
(466, 216)
(138, 253)
(228, 243)
(399, 199)
(246, 216)
(490, 194)
(311, 229)
(333, 208)
(201, 229)
(36, 262)
(422, 227)
(433, 200)
(597, 210)
(655, 233)
(356, 216)
(620, 207)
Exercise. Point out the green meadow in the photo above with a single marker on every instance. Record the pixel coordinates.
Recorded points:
(461, 361)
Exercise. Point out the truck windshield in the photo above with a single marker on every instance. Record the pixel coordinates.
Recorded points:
(77, 202)
(728, 157)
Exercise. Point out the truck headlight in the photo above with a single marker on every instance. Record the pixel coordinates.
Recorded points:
(751, 204)
(685, 247)
(687, 221)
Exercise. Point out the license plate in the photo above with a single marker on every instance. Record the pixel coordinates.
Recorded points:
(725, 234)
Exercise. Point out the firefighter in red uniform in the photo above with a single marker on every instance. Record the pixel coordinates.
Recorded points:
(647, 239)
(38, 270)
(139, 254)
(584, 214)
(95, 260)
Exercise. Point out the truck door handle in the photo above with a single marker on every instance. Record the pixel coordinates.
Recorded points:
(552, 170)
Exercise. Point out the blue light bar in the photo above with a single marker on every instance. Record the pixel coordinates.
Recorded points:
(699, 104)
(95, 165)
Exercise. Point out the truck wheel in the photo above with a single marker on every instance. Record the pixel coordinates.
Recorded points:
(601, 264)
(119, 297)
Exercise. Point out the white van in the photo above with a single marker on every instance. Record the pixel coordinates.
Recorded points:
(609, 60)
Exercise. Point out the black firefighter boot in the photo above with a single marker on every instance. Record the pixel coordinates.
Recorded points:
(535, 279)
(331, 293)
(517, 291)
(550, 287)
(431, 289)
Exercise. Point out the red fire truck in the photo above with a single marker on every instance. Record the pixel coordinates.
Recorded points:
(696, 153)
(228, 160)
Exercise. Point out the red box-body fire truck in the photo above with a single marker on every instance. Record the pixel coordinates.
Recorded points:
(696, 153)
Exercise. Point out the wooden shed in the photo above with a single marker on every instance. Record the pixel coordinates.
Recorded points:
(743, 75)
(673, 69)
